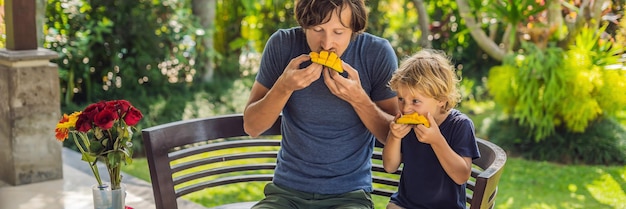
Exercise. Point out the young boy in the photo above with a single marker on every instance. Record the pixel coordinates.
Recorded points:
(437, 159)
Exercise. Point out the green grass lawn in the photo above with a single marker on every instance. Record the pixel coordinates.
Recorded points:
(529, 185)
(524, 185)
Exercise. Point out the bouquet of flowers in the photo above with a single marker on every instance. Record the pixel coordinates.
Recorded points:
(102, 132)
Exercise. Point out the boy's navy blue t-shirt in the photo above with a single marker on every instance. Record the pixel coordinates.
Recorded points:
(424, 183)
(326, 148)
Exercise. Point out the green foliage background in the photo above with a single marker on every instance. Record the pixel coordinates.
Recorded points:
(148, 52)
(119, 48)
(113, 47)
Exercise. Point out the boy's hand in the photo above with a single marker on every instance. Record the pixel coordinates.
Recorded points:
(429, 135)
(398, 131)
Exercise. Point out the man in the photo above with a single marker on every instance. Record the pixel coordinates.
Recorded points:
(330, 120)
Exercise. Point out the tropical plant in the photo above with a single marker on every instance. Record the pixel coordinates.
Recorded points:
(552, 88)
(513, 14)
(528, 87)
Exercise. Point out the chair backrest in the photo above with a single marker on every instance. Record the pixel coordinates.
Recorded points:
(167, 144)
(485, 175)
(174, 149)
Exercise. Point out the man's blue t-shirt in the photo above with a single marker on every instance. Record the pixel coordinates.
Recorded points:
(424, 183)
(326, 149)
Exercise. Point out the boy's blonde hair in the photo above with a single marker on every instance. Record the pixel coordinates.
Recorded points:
(430, 73)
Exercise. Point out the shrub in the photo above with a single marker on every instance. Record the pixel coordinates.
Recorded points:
(529, 86)
(604, 142)
(111, 49)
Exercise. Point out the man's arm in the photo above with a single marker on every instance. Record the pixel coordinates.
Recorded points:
(265, 105)
(377, 116)
(260, 114)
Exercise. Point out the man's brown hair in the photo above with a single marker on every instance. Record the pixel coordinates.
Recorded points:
(310, 13)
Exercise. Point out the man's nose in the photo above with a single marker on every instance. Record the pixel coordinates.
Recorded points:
(326, 43)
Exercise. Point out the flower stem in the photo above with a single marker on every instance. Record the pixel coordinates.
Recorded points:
(92, 165)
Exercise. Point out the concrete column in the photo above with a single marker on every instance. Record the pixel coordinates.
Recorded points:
(29, 111)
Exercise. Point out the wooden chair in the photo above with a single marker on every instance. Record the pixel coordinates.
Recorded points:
(483, 184)
(173, 148)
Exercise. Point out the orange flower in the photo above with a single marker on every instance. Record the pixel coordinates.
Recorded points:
(65, 124)
(61, 134)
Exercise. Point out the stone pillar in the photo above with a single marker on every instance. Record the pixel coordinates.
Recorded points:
(29, 111)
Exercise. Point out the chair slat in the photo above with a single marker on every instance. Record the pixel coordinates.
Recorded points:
(222, 158)
(222, 181)
(223, 170)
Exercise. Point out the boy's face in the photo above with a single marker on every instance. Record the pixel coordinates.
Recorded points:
(414, 101)
(333, 35)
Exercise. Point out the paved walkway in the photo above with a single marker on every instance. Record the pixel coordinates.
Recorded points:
(74, 190)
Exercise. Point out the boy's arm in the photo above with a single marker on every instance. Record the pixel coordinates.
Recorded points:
(457, 167)
(392, 154)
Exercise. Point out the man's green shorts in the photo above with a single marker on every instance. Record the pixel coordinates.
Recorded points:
(278, 198)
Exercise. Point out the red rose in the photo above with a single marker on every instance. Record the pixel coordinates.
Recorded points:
(105, 119)
(122, 106)
(132, 116)
(93, 109)
(113, 108)
(83, 124)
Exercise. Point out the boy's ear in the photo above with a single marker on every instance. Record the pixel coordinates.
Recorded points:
(443, 104)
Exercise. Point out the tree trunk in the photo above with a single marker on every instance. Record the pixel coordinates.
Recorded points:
(596, 13)
(205, 11)
(424, 22)
(588, 11)
(481, 38)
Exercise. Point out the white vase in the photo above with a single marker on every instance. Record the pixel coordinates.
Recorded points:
(105, 198)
